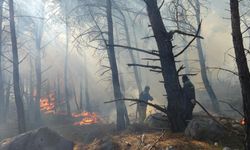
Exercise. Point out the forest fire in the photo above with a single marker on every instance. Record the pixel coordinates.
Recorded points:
(243, 122)
(47, 106)
(87, 118)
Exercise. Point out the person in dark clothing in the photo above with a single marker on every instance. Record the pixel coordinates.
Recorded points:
(142, 107)
(189, 98)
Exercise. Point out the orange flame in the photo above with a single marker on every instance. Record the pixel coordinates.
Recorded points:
(88, 118)
(243, 122)
(47, 104)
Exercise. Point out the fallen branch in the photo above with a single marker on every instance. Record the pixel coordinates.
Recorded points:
(215, 120)
(140, 101)
(231, 106)
(157, 140)
(223, 69)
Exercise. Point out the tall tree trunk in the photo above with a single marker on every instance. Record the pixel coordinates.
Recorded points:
(169, 71)
(7, 100)
(31, 107)
(17, 93)
(119, 62)
(86, 78)
(1, 69)
(136, 72)
(66, 69)
(243, 70)
(38, 81)
(38, 66)
(120, 105)
(81, 96)
(202, 62)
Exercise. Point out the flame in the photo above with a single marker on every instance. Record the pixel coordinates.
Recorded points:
(47, 104)
(243, 122)
(87, 118)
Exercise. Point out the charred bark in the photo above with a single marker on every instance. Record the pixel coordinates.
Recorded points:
(169, 71)
(17, 92)
(120, 106)
(243, 70)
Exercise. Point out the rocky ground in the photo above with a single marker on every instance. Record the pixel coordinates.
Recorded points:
(201, 134)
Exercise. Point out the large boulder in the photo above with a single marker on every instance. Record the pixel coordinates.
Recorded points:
(40, 139)
(204, 129)
(157, 120)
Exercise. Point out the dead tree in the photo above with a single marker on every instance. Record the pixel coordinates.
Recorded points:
(66, 90)
(169, 71)
(241, 61)
(38, 65)
(88, 106)
(7, 100)
(196, 7)
(17, 92)
(120, 106)
(135, 69)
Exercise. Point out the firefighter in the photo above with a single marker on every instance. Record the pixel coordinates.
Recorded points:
(142, 107)
(189, 98)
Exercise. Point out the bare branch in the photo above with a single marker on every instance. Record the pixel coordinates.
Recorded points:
(153, 52)
(218, 68)
(231, 106)
(184, 33)
(197, 34)
(145, 66)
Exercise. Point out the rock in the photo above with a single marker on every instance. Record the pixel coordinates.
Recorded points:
(40, 139)
(157, 120)
(204, 129)
(170, 148)
(226, 148)
(107, 144)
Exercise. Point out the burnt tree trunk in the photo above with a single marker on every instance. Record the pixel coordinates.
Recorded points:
(243, 70)
(120, 105)
(1, 69)
(202, 62)
(169, 71)
(17, 92)
(86, 75)
(38, 69)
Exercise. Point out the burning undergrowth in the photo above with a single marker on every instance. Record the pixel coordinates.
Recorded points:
(49, 106)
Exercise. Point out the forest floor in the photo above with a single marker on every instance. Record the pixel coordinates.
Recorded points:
(103, 136)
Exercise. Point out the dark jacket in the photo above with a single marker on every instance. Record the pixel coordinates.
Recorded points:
(188, 92)
(144, 96)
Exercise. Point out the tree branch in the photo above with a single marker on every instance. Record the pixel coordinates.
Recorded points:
(196, 35)
(140, 101)
(145, 66)
(137, 49)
